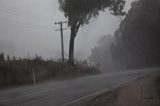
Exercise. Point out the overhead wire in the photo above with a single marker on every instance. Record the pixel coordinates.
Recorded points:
(9, 11)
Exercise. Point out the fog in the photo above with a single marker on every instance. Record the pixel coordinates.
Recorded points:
(27, 28)
(135, 44)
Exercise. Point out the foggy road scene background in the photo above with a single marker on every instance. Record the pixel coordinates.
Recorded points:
(27, 28)
(108, 44)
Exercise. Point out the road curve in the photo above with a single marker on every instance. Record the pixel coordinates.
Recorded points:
(56, 93)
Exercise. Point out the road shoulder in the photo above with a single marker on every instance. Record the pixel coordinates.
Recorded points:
(141, 92)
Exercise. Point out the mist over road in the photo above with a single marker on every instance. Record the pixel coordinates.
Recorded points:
(56, 93)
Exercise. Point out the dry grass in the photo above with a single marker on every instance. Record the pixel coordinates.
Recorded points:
(19, 72)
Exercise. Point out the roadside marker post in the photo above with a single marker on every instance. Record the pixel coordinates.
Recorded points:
(33, 76)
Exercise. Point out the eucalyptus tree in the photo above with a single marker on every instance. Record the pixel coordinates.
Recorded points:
(138, 37)
(79, 12)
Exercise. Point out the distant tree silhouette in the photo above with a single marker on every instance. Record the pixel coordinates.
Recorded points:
(102, 55)
(79, 12)
(1, 57)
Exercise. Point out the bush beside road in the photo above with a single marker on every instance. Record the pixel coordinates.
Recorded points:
(23, 71)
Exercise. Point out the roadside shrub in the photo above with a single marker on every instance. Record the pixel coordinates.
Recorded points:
(20, 72)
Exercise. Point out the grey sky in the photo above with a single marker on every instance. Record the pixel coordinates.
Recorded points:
(27, 27)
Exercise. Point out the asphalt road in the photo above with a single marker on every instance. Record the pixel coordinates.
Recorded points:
(56, 93)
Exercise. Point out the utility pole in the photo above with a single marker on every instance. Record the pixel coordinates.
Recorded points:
(61, 30)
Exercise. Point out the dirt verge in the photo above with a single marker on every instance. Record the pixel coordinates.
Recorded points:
(142, 92)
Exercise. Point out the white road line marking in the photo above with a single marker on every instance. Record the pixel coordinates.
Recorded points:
(90, 96)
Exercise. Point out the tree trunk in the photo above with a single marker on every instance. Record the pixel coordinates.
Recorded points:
(71, 46)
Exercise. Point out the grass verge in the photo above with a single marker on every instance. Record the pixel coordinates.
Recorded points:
(20, 72)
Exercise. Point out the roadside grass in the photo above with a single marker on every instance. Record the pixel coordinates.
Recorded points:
(20, 72)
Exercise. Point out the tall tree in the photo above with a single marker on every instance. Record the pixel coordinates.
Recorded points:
(79, 12)
(138, 36)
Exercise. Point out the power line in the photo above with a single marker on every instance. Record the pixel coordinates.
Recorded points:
(18, 12)
(21, 24)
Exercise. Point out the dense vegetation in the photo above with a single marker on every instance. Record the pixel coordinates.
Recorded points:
(15, 72)
(139, 35)
(136, 42)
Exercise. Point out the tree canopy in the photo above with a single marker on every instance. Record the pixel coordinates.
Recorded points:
(138, 36)
(79, 12)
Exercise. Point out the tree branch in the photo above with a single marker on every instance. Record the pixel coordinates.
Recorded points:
(77, 27)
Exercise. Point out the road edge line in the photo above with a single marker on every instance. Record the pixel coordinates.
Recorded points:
(100, 92)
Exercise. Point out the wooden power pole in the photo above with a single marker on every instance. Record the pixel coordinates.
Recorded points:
(61, 30)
